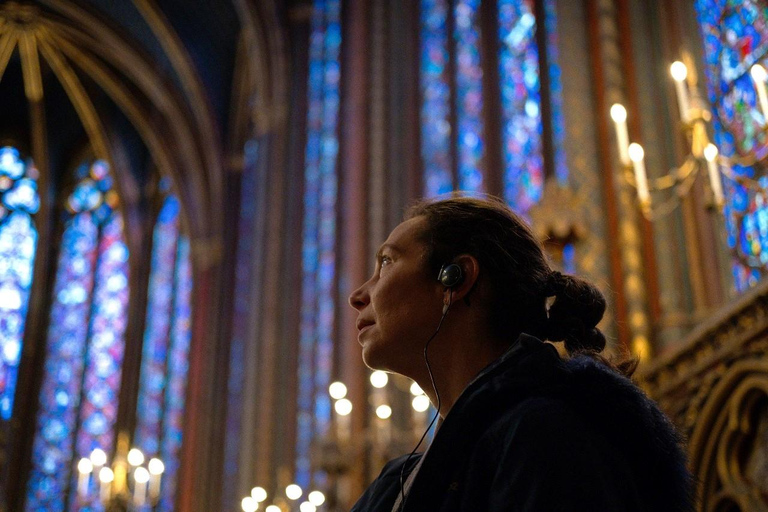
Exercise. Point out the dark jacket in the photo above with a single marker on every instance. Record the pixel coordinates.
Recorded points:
(534, 433)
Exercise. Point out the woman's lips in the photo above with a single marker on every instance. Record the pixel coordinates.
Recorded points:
(363, 329)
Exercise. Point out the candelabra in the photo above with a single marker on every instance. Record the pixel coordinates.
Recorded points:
(288, 501)
(335, 452)
(125, 484)
(703, 154)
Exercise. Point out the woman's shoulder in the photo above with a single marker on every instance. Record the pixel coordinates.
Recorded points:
(381, 494)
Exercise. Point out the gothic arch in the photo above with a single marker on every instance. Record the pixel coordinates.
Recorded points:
(730, 436)
(174, 124)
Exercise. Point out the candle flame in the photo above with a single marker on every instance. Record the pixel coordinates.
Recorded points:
(618, 113)
(679, 71)
(710, 152)
(758, 73)
(636, 152)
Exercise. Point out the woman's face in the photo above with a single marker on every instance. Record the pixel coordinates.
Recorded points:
(400, 305)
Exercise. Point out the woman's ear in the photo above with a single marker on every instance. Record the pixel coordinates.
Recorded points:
(470, 271)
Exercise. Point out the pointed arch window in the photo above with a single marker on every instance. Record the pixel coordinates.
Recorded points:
(455, 127)
(319, 236)
(735, 36)
(18, 241)
(79, 393)
(165, 352)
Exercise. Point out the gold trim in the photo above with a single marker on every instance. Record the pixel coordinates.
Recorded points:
(30, 65)
(120, 95)
(81, 29)
(198, 101)
(79, 98)
(7, 45)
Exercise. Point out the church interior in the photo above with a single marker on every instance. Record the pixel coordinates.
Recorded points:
(191, 189)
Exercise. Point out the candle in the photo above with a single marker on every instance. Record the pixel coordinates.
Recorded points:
(619, 116)
(679, 74)
(135, 457)
(106, 476)
(98, 459)
(420, 405)
(140, 477)
(384, 412)
(343, 409)
(156, 469)
(758, 76)
(710, 153)
(636, 154)
(84, 468)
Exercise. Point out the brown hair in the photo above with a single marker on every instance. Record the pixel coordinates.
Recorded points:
(516, 272)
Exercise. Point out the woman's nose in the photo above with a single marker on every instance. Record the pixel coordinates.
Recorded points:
(359, 298)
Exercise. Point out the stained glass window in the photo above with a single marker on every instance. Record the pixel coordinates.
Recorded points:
(555, 92)
(520, 116)
(521, 105)
(166, 348)
(78, 399)
(469, 77)
(245, 284)
(735, 36)
(319, 233)
(18, 241)
(436, 93)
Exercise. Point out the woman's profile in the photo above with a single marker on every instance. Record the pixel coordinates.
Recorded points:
(462, 300)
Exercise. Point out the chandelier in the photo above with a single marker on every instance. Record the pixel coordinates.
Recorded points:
(125, 484)
(703, 155)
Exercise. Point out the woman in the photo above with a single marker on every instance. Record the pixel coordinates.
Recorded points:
(460, 299)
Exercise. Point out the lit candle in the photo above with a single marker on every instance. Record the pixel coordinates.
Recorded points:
(420, 405)
(384, 412)
(619, 116)
(636, 154)
(679, 74)
(710, 153)
(98, 459)
(140, 477)
(84, 468)
(343, 409)
(106, 476)
(758, 76)
(156, 469)
(135, 457)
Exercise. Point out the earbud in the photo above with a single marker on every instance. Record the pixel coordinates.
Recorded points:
(450, 275)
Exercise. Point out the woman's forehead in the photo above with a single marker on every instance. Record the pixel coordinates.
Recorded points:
(407, 233)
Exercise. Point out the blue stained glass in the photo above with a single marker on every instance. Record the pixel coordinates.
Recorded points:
(436, 105)
(18, 242)
(177, 370)
(78, 398)
(244, 285)
(23, 196)
(166, 348)
(319, 232)
(10, 164)
(556, 92)
(735, 35)
(521, 105)
(158, 329)
(469, 95)
(86, 196)
(60, 394)
(18, 239)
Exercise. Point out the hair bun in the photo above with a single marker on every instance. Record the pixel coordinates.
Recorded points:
(573, 317)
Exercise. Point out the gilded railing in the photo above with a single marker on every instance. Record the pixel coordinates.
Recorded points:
(715, 389)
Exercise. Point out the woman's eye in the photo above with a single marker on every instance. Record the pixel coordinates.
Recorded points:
(385, 260)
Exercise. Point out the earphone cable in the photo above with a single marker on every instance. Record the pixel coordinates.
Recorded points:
(437, 394)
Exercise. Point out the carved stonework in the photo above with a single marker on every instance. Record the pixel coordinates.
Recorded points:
(715, 389)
